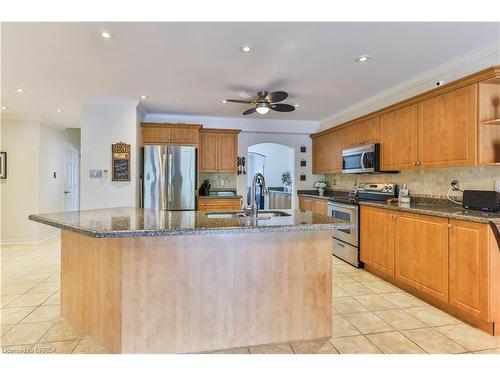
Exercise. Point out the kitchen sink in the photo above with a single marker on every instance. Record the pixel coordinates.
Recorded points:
(245, 215)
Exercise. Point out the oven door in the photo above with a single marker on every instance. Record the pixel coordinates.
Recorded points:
(348, 213)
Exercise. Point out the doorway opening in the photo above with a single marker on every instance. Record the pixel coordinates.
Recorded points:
(276, 163)
(72, 178)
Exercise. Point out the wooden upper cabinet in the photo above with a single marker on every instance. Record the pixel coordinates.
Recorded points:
(218, 150)
(179, 134)
(377, 239)
(363, 132)
(320, 154)
(469, 267)
(448, 129)
(421, 251)
(399, 139)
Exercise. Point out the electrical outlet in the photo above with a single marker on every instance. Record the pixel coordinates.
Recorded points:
(222, 182)
(96, 173)
(455, 184)
(497, 186)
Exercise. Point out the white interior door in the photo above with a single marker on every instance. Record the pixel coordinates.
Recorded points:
(72, 179)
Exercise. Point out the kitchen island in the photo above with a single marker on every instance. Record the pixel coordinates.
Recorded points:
(146, 281)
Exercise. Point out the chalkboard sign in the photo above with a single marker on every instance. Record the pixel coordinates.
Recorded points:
(121, 161)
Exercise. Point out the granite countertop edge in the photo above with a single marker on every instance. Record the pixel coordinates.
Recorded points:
(220, 197)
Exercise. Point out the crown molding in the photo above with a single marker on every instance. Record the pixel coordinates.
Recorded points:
(452, 70)
(35, 119)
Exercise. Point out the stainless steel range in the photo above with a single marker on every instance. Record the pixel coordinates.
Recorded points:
(346, 241)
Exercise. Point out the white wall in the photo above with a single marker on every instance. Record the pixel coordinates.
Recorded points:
(102, 125)
(279, 159)
(34, 152)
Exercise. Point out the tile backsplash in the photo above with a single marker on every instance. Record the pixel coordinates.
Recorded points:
(215, 178)
(425, 182)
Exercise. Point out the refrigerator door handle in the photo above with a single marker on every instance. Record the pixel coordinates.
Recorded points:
(170, 165)
(162, 182)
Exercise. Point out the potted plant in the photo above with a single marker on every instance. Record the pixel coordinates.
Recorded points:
(321, 185)
(286, 179)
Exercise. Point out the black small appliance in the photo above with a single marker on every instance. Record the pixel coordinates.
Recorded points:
(481, 200)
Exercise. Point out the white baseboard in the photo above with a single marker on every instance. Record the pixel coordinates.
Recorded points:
(28, 242)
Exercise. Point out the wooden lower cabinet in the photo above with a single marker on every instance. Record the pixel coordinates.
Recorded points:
(315, 205)
(452, 264)
(219, 204)
(421, 253)
(377, 242)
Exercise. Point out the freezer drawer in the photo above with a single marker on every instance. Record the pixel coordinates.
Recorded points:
(346, 252)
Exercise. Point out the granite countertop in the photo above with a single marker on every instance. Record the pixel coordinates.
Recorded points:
(137, 222)
(280, 192)
(328, 194)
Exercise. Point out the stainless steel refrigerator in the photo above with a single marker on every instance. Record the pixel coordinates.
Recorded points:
(169, 177)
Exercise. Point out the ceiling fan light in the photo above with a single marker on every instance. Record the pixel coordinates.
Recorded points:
(262, 108)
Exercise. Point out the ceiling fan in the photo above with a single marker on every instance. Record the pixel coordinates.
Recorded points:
(266, 101)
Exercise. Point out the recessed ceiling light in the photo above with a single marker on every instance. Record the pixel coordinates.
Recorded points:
(363, 58)
(224, 101)
(59, 110)
(296, 105)
(245, 48)
(144, 97)
(106, 34)
(20, 91)
(4, 108)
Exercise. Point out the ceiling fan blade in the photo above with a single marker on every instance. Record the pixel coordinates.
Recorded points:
(249, 111)
(239, 101)
(281, 107)
(277, 96)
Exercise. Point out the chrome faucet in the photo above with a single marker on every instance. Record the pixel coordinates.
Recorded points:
(257, 179)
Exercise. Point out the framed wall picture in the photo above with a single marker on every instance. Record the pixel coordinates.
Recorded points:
(121, 161)
(3, 165)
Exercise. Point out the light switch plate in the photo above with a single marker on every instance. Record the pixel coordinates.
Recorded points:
(96, 173)
(222, 182)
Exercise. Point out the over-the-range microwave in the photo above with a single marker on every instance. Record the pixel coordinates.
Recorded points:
(362, 159)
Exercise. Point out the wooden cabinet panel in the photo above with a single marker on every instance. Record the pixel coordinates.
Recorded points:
(320, 206)
(156, 134)
(185, 135)
(228, 152)
(377, 228)
(305, 203)
(399, 139)
(208, 152)
(339, 143)
(469, 267)
(421, 253)
(448, 129)
(279, 201)
(214, 204)
(363, 132)
(320, 163)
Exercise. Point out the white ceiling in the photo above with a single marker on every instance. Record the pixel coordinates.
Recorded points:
(187, 68)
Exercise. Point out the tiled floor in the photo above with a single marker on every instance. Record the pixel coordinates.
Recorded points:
(369, 315)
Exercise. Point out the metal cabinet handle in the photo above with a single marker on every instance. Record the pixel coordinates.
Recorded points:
(340, 244)
(450, 226)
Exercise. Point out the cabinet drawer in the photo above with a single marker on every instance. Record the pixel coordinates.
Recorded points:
(214, 204)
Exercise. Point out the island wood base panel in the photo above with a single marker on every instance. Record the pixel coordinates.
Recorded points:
(183, 294)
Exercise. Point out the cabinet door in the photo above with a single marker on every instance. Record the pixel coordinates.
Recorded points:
(321, 154)
(469, 267)
(184, 135)
(305, 203)
(336, 151)
(228, 151)
(421, 248)
(320, 207)
(363, 132)
(208, 152)
(156, 134)
(377, 239)
(447, 129)
(398, 139)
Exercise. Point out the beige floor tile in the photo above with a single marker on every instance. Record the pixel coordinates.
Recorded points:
(28, 333)
(232, 351)
(337, 291)
(356, 289)
(342, 328)
(62, 331)
(61, 347)
(88, 345)
(346, 305)
(46, 287)
(18, 288)
(14, 315)
(313, 347)
(363, 277)
(271, 349)
(400, 319)
(488, 351)
(4, 328)
(8, 298)
(432, 341)
(354, 345)
(30, 299)
(48, 313)
(375, 302)
(368, 322)
(345, 268)
(339, 278)
(431, 316)
(394, 343)
(55, 299)
(381, 287)
(17, 349)
(403, 300)
(470, 338)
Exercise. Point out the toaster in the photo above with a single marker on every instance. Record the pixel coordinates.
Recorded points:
(481, 200)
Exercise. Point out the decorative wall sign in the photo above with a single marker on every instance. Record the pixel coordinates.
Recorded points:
(302, 177)
(121, 161)
(3, 165)
(303, 163)
(302, 148)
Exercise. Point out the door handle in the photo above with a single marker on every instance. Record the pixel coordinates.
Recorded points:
(170, 162)
(363, 160)
(340, 244)
(67, 192)
(162, 182)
